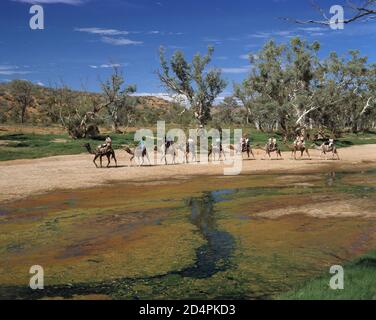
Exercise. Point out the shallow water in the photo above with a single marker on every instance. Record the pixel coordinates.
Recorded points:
(248, 237)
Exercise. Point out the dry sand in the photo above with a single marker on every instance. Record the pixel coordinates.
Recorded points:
(23, 178)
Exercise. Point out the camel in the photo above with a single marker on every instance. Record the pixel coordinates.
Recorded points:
(327, 148)
(240, 149)
(171, 150)
(138, 154)
(187, 149)
(299, 148)
(269, 149)
(216, 149)
(100, 153)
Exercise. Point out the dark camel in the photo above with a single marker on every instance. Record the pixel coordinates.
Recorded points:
(100, 153)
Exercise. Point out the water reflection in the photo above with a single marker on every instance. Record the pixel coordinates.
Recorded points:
(215, 254)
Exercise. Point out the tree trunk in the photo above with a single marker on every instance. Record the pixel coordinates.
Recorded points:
(23, 114)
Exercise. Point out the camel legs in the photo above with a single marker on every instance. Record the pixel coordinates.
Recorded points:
(147, 157)
(132, 158)
(108, 160)
(164, 158)
(95, 160)
(209, 154)
(114, 157)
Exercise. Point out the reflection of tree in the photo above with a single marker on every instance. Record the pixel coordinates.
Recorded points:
(202, 214)
(214, 255)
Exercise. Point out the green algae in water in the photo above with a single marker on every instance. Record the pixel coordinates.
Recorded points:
(238, 257)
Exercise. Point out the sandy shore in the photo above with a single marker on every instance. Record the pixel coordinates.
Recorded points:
(23, 178)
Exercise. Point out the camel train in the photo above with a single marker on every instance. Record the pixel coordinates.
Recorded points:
(216, 151)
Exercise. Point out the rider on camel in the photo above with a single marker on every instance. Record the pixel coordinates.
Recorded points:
(107, 145)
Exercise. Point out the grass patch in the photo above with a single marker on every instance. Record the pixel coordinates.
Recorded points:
(33, 146)
(353, 139)
(360, 283)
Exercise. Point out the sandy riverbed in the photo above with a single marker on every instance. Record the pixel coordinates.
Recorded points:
(23, 178)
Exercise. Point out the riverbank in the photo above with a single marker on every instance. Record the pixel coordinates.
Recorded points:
(24, 178)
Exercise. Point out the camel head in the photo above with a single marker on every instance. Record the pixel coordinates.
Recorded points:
(128, 150)
(87, 146)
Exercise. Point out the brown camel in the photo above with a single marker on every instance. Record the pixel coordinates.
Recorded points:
(137, 153)
(216, 150)
(100, 153)
(299, 148)
(270, 148)
(244, 148)
(171, 150)
(326, 148)
(187, 150)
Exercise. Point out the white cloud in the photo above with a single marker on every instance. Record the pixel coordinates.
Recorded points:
(9, 70)
(108, 65)
(261, 35)
(102, 31)
(161, 95)
(312, 29)
(213, 40)
(237, 70)
(221, 58)
(120, 41)
(247, 56)
(71, 2)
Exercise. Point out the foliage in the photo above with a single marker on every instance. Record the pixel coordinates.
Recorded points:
(191, 80)
(290, 85)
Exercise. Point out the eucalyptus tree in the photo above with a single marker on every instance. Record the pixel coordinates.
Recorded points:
(346, 93)
(198, 85)
(290, 84)
(117, 98)
(22, 92)
(283, 75)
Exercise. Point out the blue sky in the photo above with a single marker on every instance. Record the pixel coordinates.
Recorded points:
(82, 38)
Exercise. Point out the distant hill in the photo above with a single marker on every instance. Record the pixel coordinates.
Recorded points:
(42, 94)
